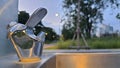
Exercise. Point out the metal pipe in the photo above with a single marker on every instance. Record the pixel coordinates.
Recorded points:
(16, 48)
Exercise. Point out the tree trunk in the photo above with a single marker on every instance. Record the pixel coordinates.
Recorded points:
(88, 30)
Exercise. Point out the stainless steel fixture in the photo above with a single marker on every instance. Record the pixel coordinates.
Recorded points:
(83, 60)
(28, 46)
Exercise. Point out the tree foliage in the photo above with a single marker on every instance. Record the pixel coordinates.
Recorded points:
(23, 16)
(91, 12)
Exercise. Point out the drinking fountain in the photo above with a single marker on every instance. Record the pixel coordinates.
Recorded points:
(28, 46)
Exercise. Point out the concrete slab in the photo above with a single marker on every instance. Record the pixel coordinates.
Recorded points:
(11, 61)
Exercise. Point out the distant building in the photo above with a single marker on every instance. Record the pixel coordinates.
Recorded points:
(118, 33)
(104, 29)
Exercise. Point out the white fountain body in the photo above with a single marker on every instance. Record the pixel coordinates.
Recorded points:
(8, 13)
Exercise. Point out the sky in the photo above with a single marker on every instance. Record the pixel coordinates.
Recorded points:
(55, 11)
(110, 18)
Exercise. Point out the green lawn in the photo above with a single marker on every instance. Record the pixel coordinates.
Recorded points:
(94, 43)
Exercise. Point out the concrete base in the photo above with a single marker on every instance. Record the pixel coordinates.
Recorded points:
(11, 61)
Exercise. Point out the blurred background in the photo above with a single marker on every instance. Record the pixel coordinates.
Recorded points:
(99, 22)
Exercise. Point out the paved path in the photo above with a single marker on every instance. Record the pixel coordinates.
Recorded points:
(82, 51)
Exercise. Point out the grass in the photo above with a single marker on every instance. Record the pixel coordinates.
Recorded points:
(94, 43)
(104, 43)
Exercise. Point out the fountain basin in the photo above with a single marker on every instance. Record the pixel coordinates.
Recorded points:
(83, 60)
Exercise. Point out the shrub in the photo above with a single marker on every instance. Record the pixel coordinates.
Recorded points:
(94, 43)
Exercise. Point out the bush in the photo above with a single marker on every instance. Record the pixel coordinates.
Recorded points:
(104, 43)
(94, 43)
(65, 44)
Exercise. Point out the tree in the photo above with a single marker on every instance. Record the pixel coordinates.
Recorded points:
(50, 34)
(67, 33)
(91, 12)
(23, 16)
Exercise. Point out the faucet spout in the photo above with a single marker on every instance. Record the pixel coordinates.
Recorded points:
(40, 43)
